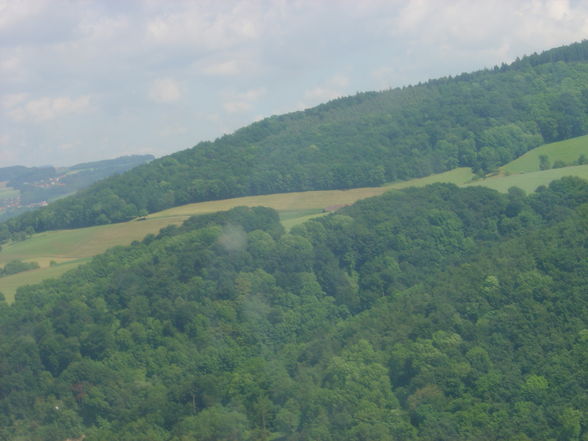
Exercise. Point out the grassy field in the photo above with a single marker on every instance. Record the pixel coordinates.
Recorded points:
(530, 181)
(567, 151)
(7, 192)
(307, 200)
(69, 248)
(66, 245)
(294, 217)
(457, 176)
(9, 284)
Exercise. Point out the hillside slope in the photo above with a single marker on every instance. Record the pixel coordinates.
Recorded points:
(434, 313)
(480, 120)
(69, 248)
(26, 188)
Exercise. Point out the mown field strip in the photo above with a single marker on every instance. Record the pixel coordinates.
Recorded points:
(530, 181)
(69, 248)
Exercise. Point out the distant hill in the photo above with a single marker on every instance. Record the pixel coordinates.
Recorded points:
(25, 188)
(480, 120)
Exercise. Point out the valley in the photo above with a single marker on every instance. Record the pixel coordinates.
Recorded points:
(25, 188)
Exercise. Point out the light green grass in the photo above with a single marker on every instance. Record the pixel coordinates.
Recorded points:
(67, 247)
(9, 284)
(457, 176)
(7, 192)
(530, 181)
(567, 151)
(292, 218)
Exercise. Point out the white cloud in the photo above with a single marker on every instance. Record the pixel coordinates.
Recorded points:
(103, 28)
(241, 102)
(229, 63)
(493, 28)
(68, 146)
(210, 55)
(229, 67)
(45, 108)
(9, 155)
(206, 26)
(13, 99)
(10, 65)
(13, 12)
(333, 88)
(384, 77)
(558, 9)
(173, 129)
(165, 90)
(236, 106)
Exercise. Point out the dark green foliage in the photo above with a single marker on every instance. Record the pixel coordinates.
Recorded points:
(544, 163)
(17, 266)
(480, 120)
(434, 313)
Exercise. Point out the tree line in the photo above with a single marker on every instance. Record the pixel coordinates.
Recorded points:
(480, 120)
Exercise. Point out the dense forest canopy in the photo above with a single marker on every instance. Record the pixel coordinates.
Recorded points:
(428, 314)
(481, 120)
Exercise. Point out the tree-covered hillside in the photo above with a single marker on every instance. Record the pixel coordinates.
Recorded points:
(36, 185)
(429, 314)
(481, 120)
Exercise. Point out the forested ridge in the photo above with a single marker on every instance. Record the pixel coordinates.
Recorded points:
(427, 314)
(35, 185)
(480, 120)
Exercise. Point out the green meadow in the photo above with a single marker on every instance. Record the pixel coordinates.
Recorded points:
(567, 151)
(530, 181)
(10, 284)
(7, 192)
(59, 251)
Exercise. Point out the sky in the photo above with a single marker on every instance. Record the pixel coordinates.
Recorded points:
(83, 80)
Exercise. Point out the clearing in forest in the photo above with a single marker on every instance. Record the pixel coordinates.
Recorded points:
(58, 251)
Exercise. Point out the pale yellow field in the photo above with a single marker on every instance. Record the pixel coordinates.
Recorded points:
(69, 248)
(67, 245)
(457, 176)
(280, 202)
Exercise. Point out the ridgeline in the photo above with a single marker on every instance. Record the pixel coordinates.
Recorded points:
(480, 120)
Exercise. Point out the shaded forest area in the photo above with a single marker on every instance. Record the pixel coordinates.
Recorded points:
(427, 314)
(480, 120)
